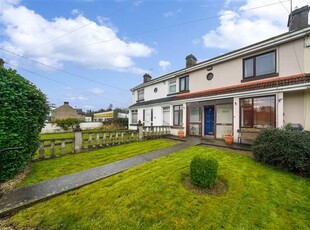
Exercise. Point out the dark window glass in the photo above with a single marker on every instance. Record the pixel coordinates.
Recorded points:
(177, 115)
(258, 112)
(259, 65)
(184, 83)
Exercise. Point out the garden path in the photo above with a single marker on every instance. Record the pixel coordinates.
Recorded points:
(25, 196)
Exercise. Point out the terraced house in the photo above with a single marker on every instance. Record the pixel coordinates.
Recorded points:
(266, 84)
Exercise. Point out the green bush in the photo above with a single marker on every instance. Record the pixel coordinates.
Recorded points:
(285, 149)
(203, 171)
(65, 124)
(23, 109)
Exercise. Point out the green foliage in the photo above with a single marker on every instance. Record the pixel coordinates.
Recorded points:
(118, 123)
(203, 171)
(65, 124)
(285, 149)
(152, 196)
(23, 109)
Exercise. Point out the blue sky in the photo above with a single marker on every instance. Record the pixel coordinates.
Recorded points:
(91, 52)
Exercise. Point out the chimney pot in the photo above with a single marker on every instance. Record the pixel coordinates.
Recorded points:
(146, 78)
(191, 60)
(298, 19)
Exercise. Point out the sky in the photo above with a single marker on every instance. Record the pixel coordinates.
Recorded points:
(90, 53)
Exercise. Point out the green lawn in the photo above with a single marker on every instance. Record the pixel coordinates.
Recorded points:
(48, 169)
(152, 196)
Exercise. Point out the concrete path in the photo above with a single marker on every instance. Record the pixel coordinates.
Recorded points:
(26, 196)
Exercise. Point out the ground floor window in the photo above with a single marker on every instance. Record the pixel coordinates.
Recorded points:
(195, 121)
(258, 112)
(177, 115)
(134, 116)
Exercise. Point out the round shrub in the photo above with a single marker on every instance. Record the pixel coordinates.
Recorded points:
(23, 109)
(285, 149)
(203, 171)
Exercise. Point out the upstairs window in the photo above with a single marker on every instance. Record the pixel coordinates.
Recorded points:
(260, 65)
(172, 86)
(141, 95)
(184, 83)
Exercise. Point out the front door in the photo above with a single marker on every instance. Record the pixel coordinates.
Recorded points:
(209, 120)
(148, 117)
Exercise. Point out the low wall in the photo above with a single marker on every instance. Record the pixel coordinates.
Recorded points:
(52, 128)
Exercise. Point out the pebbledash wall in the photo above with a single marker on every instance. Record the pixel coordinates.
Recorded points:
(223, 91)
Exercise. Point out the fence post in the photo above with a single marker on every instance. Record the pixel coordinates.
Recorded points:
(140, 131)
(78, 139)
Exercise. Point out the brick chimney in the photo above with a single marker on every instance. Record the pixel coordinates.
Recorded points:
(146, 78)
(1, 62)
(298, 19)
(191, 60)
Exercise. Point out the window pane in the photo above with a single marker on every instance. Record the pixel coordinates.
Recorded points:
(134, 116)
(182, 84)
(224, 114)
(194, 115)
(264, 112)
(246, 116)
(140, 95)
(166, 115)
(248, 68)
(194, 129)
(172, 86)
(265, 64)
(222, 130)
(246, 101)
(177, 115)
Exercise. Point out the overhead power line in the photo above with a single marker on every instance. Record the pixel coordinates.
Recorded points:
(63, 71)
(180, 24)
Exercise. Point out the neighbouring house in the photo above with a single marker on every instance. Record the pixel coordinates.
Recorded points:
(103, 116)
(65, 111)
(266, 84)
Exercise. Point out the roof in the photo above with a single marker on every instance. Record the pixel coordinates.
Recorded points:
(265, 44)
(242, 87)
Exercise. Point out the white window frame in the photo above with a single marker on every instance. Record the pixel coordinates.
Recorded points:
(140, 95)
(172, 84)
(134, 116)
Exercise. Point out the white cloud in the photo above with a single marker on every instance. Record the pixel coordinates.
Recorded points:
(42, 40)
(96, 90)
(77, 12)
(172, 13)
(164, 65)
(78, 98)
(242, 27)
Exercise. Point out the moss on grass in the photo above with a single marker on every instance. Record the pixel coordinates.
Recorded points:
(152, 196)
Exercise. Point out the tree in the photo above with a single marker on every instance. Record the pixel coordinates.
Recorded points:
(65, 124)
(23, 110)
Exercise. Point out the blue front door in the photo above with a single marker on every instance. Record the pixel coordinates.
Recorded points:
(209, 120)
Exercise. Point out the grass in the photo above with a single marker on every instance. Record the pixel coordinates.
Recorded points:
(152, 196)
(48, 169)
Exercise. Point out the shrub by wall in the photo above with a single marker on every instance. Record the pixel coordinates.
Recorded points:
(285, 149)
(203, 171)
(23, 109)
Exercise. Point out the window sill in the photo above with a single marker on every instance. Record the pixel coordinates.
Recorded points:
(140, 100)
(259, 77)
(177, 127)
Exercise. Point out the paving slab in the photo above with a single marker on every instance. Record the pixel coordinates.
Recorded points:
(28, 195)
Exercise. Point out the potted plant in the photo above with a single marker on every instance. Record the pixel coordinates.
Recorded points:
(228, 137)
(181, 133)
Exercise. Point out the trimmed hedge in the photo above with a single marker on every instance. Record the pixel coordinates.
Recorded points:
(23, 109)
(285, 149)
(203, 171)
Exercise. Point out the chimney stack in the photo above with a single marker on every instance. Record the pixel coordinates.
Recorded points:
(1, 62)
(191, 60)
(146, 78)
(66, 103)
(298, 19)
